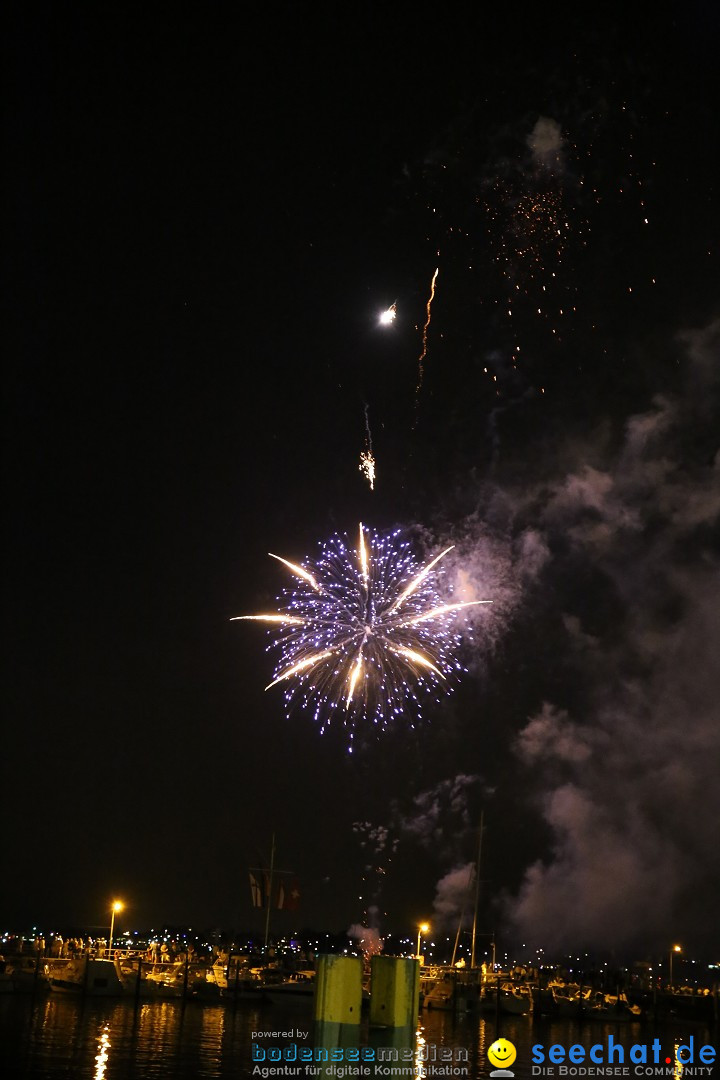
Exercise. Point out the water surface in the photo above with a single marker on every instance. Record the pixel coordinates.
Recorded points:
(102, 1039)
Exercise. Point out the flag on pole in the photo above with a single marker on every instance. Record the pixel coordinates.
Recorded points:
(287, 895)
(258, 888)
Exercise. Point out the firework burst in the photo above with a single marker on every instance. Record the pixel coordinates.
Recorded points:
(366, 632)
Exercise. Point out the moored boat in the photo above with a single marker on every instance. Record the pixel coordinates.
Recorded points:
(615, 1007)
(28, 975)
(87, 975)
(299, 985)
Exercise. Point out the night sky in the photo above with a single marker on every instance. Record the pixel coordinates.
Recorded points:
(207, 212)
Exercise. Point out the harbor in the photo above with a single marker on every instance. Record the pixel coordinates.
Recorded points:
(275, 976)
(178, 1005)
(57, 1035)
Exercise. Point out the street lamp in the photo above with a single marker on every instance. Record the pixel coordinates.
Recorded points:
(422, 929)
(116, 907)
(675, 948)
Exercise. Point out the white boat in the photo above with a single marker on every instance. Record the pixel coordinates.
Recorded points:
(172, 980)
(612, 1007)
(87, 975)
(28, 975)
(238, 980)
(300, 985)
(569, 1000)
(515, 999)
(508, 998)
(449, 990)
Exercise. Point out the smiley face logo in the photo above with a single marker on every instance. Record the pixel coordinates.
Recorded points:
(501, 1054)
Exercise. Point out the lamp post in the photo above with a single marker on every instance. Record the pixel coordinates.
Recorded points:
(116, 907)
(422, 929)
(675, 948)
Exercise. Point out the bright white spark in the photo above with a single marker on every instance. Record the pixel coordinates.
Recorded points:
(437, 612)
(291, 619)
(367, 468)
(302, 665)
(298, 570)
(418, 580)
(417, 658)
(356, 673)
(362, 551)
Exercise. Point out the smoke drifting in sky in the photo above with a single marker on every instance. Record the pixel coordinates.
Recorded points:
(546, 144)
(624, 768)
(367, 938)
(454, 898)
(440, 813)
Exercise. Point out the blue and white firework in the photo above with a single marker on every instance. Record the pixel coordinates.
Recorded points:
(365, 632)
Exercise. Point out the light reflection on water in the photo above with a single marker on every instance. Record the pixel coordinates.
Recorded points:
(96, 1039)
(102, 1055)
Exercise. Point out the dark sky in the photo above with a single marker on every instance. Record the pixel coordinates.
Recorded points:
(207, 212)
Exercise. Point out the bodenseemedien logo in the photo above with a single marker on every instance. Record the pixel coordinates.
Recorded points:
(502, 1054)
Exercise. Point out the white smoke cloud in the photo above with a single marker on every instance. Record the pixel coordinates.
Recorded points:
(546, 144)
(454, 897)
(440, 813)
(367, 938)
(627, 782)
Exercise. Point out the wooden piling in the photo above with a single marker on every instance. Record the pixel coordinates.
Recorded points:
(394, 991)
(338, 989)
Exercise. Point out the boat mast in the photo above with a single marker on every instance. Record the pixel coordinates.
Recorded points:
(477, 890)
(269, 891)
(462, 916)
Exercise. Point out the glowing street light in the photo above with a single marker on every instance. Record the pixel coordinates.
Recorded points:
(116, 907)
(422, 929)
(675, 948)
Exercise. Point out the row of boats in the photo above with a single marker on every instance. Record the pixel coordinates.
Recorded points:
(441, 988)
(465, 992)
(135, 977)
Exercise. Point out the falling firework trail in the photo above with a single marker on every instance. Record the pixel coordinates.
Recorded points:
(367, 460)
(367, 632)
(423, 354)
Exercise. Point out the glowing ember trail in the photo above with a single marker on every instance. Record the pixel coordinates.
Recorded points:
(367, 461)
(367, 633)
(367, 468)
(297, 570)
(418, 580)
(428, 316)
(292, 619)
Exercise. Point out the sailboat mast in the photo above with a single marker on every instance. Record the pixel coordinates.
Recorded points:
(269, 891)
(477, 889)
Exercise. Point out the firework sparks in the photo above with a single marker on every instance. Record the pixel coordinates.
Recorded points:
(291, 619)
(387, 317)
(416, 581)
(428, 316)
(302, 665)
(367, 467)
(367, 460)
(297, 570)
(367, 633)
(445, 609)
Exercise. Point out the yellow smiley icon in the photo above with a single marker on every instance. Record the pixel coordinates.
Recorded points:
(502, 1053)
